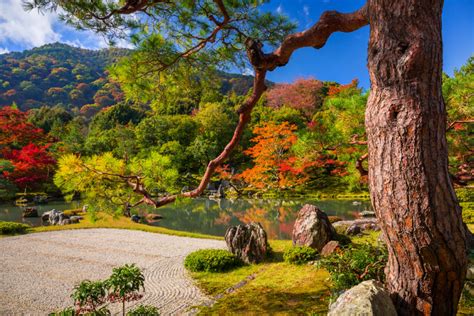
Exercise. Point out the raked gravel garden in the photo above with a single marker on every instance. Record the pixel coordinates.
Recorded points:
(39, 270)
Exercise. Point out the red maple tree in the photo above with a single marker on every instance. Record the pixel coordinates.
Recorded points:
(32, 165)
(26, 147)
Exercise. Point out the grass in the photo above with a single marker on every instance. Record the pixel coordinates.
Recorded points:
(278, 288)
(281, 289)
(367, 237)
(216, 283)
(104, 220)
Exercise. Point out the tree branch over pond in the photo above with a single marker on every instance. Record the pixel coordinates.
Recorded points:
(316, 36)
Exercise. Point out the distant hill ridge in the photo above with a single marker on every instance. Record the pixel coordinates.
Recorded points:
(70, 77)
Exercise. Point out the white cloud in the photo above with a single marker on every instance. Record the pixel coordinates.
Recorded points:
(306, 11)
(26, 28)
(279, 9)
(248, 71)
(307, 17)
(4, 51)
(30, 29)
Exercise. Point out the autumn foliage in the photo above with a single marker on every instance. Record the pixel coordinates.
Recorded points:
(274, 165)
(336, 89)
(32, 165)
(26, 148)
(16, 131)
(304, 95)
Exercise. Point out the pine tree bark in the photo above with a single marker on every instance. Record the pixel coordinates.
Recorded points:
(411, 190)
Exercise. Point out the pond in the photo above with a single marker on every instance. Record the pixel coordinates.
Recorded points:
(212, 217)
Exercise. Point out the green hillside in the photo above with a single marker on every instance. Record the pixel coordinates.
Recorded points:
(71, 77)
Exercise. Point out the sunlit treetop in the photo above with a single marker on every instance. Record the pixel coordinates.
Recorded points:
(219, 30)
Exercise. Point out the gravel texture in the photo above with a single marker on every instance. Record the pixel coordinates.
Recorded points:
(38, 271)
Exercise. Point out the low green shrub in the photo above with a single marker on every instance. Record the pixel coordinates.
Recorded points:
(211, 260)
(144, 310)
(465, 194)
(300, 255)
(11, 228)
(355, 264)
(468, 212)
(88, 296)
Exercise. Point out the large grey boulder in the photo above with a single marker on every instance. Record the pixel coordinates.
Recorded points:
(368, 298)
(55, 217)
(312, 228)
(248, 242)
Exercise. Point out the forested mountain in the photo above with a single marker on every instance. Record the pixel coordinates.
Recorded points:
(58, 74)
(71, 77)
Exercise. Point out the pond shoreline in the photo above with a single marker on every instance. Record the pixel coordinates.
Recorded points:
(213, 216)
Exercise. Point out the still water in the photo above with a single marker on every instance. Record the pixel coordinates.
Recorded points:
(212, 217)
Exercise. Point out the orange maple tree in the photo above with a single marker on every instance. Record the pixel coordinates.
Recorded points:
(336, 89)
(274, 165)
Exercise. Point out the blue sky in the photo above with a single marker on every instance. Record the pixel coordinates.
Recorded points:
(343, 58)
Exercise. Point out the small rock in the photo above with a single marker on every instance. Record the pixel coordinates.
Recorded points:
(367, 298)
(367, 214)
(353, 230)
(312, 228)
(248, 242)
(468, 287)
(363, 223)
(330, 248)
(381, 241)
(153, 217)
(65, 221)
(45, 216)
(334, 219)
(470, 273)
(30, 212)
(135, 218)
(75, 219)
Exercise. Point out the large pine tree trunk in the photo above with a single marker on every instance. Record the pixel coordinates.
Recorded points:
(411, 190)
